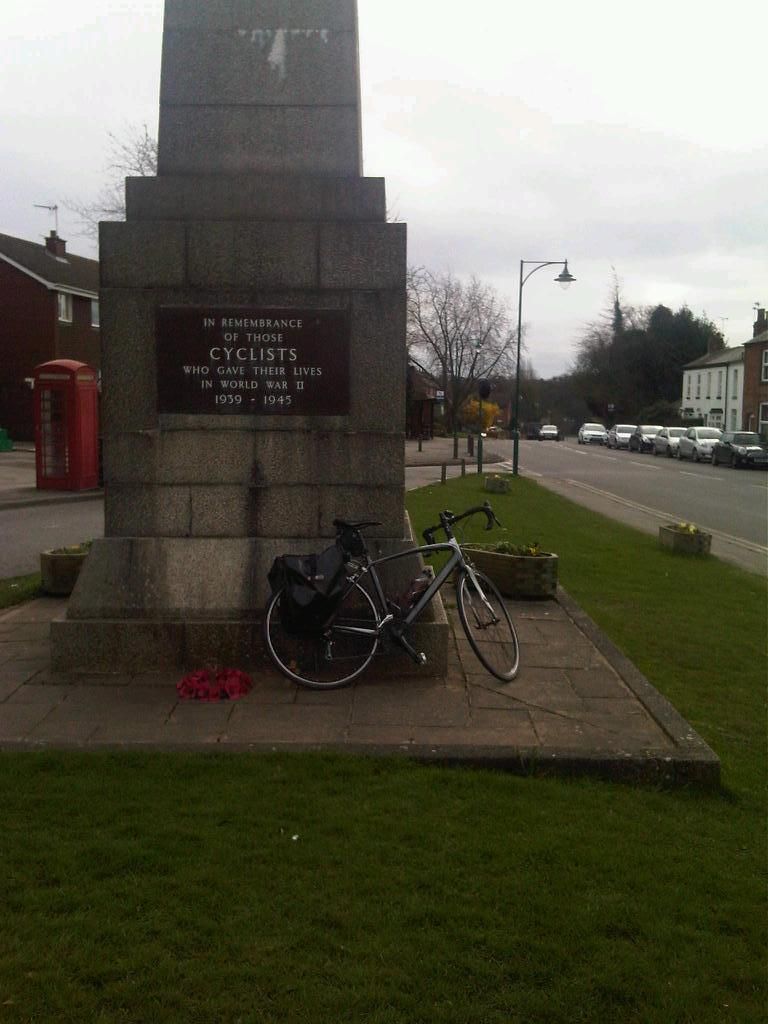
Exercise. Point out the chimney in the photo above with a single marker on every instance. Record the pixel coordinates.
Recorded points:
(761, 324)
(58, 247)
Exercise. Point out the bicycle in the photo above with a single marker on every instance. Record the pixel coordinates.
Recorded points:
(333, 653)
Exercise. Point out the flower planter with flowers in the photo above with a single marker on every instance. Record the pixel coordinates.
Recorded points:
(685, 537)
(60, 567)
(521, 571)
(497, 484)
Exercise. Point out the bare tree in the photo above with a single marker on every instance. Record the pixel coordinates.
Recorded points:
(459, 333)
(134, 155)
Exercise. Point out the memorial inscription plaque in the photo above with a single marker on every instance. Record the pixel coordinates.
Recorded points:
(252, 361)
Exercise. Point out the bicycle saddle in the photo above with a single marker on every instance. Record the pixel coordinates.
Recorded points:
(342, 524)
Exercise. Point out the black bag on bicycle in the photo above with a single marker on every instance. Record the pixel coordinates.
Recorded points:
(312, 588)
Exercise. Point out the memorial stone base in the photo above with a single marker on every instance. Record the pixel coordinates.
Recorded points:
(137, 608)
(199, 503)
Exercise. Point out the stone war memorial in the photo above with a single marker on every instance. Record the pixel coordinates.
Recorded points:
(253, 334)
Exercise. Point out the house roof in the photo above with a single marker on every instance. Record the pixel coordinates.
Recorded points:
(423, 385)
(759, 339)
(67, 273)
(725, 357)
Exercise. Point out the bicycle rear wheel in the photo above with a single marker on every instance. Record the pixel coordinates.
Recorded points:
(333, 658)
(488, 626)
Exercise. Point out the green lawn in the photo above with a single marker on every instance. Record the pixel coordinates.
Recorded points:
(18, 589)
(317, 888)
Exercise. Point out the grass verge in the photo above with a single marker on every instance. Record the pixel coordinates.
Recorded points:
(153, 887)
(17, 589)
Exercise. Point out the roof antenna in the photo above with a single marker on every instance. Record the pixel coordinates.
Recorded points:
(52, 209)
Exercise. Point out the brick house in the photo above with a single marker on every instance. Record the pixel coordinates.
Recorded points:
(421, 397)
(755, 405)
(49, 309)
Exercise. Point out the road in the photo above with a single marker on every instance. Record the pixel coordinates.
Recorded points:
(644, 491)
(639, 490)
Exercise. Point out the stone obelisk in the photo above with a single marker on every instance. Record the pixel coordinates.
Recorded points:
(253, 329)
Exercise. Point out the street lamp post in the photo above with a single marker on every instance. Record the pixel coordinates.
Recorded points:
(564, 278)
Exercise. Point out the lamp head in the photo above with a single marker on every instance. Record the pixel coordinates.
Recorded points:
(565, 278)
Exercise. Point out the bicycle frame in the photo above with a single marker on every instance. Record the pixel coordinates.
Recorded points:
(370, 566)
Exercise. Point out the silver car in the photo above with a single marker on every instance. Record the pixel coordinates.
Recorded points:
(592, 433)
(697, 443)
(618, 436)
(667, 440)
(549, 432)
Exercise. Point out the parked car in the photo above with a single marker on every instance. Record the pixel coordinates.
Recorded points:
(641, 438)
(532, 431)
(740, 448)
(697, 443)
(549, 432)
(667, 440)
(592, 433)
(618, 435)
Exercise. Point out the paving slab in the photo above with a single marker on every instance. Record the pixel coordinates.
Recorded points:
(578, 706)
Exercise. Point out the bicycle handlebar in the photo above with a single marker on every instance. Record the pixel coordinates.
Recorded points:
(449, 519)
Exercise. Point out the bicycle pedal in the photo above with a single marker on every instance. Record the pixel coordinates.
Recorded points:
(418, 656)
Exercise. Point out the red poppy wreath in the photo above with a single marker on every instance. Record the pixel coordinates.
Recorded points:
(207, 686)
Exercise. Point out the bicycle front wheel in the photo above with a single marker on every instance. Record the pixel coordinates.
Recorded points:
(488, 626)
(333, 658)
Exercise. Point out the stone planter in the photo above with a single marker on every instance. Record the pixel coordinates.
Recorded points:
(59, 571)
(519, 576)
(497, 484)
(681, 540)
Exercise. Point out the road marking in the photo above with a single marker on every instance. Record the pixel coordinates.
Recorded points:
(760, 549)
(510, 468)
(645, 465)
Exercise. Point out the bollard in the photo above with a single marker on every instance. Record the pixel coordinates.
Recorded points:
(443, 473)
(420, 440)
(463, 467)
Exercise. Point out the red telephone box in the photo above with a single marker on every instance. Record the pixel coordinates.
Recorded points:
(66, 425)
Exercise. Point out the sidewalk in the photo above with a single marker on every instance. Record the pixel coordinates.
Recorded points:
(18, 483)
(439, 450)
(577, 707)
(18, 488)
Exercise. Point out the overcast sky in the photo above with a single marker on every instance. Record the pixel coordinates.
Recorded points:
(614, 135)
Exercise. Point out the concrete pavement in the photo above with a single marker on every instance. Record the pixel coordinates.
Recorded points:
(578, 706)
(18, 483)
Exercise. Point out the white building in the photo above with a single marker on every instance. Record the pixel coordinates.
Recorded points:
(713, 389)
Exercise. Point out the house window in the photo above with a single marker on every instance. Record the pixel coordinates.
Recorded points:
(95, 321)
(735, 393)
(709, 385)
(687, 385)
(719, 384)
(764, 375)
(733, 419)
(64, 304)
(698, 385)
